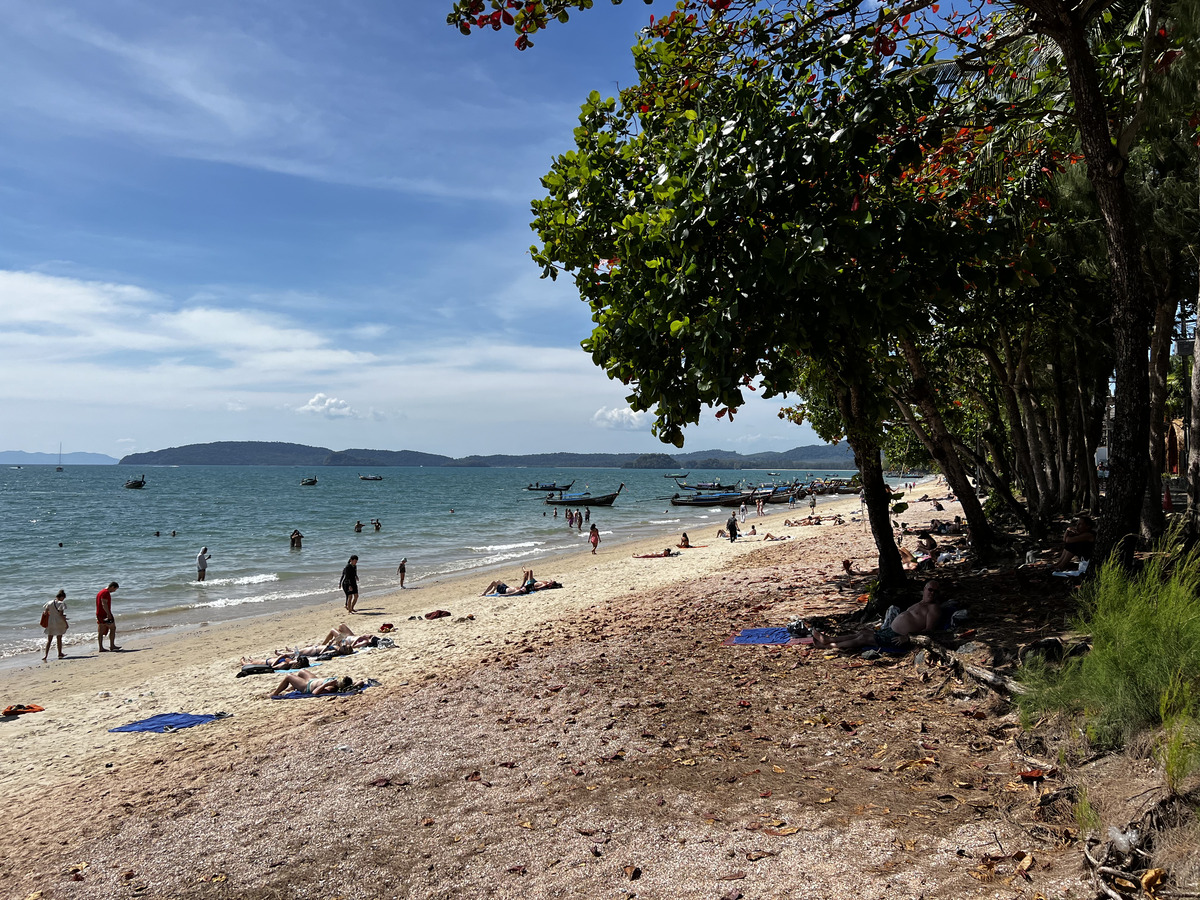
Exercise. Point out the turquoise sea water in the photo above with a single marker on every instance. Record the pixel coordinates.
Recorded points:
(244, 515)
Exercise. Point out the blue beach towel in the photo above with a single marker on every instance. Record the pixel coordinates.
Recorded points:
(167, 722)
(763, 636)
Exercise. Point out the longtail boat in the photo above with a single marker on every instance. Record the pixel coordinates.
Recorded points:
(726, 498)
(549, 487)
(585, 499)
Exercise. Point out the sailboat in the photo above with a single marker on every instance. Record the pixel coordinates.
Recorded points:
(59, 467)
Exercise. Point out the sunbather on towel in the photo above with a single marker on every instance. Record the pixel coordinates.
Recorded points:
(531, 584)
(499, 587)
(279, 662)
(920, 617)
(665, 553)
(306, 682)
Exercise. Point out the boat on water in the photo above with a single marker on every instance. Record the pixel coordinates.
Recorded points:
(711, 486)
(59, 467)
(364, 478)
(585, 499)
(725, 498)
(308, 482)
(677, 475)
(552, 487)
(136, 483)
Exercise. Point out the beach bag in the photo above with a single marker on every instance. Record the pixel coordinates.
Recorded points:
(45, 620)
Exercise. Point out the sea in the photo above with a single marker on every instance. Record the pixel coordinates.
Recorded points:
(81, 528)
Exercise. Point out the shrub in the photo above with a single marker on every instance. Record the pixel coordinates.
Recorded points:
(1141, 672)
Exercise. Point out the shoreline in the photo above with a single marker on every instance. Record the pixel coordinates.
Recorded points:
(78, 643)
(156, 672)
(505, 740)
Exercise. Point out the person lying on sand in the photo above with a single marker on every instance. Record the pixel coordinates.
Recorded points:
(531, 584)
(776, 537)
(308, 683)
(920, 617)
(279, 662)
(340, 641)
(499, 587)
(665, 553)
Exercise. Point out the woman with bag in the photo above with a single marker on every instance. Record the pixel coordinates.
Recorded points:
(54, 620)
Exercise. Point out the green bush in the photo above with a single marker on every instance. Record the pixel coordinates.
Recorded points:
(1145, 659)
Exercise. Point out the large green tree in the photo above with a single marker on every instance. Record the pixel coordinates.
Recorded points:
(1109, 54)
(729, 230)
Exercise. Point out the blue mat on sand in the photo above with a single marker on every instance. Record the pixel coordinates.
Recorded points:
(763, 636)
(166, 722)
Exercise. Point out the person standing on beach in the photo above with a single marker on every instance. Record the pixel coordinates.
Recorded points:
(349, 583)
(742, 511)
(731, 528)
(401, 570)
(105, 623)
(593, 537)
(202, 559)
(55, 615)
(812, 504)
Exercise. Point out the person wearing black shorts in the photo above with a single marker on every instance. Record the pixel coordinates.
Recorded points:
(349, 583)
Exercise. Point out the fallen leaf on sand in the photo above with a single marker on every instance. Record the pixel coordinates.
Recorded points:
(778, 770)
(516, 870)
(1152, 879)
(732, 876)
(633, 873)
(909, 763)
(754, 855)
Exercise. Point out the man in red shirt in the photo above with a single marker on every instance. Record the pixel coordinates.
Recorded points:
(104, 618)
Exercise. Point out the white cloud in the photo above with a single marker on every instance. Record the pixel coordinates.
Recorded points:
(329, 407)
(623, 419)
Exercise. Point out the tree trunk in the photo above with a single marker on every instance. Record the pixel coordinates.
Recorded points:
(1022, 461)
(1153, 520)
(1130, 436)
(853, 408)
(1193, 462)
(941, 446)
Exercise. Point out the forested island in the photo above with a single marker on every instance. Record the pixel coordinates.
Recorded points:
(274, 453)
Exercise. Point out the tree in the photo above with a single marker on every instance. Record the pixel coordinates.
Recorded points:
(1108, 74)
(732, 230)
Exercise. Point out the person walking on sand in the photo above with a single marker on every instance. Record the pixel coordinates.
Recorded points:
(54, 614)
(105, 624)
(594, 537)
(202, 559)
(349, 583)
(401, 570)
(731, 528)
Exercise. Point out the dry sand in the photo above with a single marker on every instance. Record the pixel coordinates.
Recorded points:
(591, 741)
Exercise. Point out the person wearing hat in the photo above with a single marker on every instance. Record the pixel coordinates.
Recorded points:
(202, 559)
(400, 570)
(104, 618)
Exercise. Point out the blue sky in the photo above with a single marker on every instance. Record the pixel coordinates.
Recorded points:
(302, 221)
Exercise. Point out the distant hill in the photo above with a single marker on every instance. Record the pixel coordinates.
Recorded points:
(21, 458)
(272, 453)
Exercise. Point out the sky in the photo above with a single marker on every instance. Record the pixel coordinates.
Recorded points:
(302, 221)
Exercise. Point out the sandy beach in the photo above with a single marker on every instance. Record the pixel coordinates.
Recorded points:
(596, 740)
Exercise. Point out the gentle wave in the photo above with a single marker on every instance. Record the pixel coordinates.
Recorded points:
(245, 579)
(665, 521)
(499, 548)
(225, 602)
